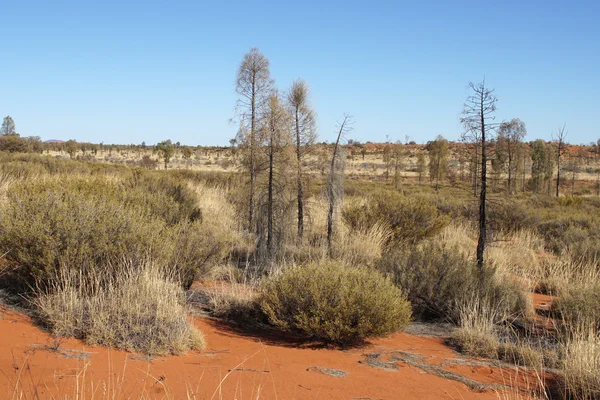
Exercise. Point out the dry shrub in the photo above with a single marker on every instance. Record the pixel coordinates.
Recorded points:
(409, 219)
(140, 308)
(438, 279)
(81, 222)
(235, 302)
(579, 306)
(334, 303)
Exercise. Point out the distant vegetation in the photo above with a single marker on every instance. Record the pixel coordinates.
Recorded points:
(335, 243)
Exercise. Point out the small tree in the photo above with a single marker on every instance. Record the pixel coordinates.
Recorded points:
(8, 126)
(166, 149)
(305, 134)
(541, 166)
(71, 148)
(254, 86)
(561, 146)
(187, 152)
(438, 159)
(510, 136)
(420, 166)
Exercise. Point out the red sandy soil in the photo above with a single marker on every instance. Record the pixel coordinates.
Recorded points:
(234, 366)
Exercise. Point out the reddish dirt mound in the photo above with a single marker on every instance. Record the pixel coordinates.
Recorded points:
(237, 366)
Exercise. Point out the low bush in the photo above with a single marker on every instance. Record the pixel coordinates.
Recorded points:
(334, 303)
(81, 222)
(438, 279)
(409, 219)
(579, 306)
(141, 308)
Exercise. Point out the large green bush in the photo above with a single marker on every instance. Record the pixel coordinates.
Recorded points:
(334, 303)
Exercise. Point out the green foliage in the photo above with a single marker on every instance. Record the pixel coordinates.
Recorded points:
(411, 219)
(438, 279)
(334, 303)
(82, 222)
(8, 126)
(14, 144)
(166, 149)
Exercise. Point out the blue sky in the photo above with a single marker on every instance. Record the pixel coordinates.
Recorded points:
(127, 72)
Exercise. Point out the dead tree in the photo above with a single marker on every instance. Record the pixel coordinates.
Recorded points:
(305, 135)
(336, 159)
(477, 114)
(253, 85)
(561, 145)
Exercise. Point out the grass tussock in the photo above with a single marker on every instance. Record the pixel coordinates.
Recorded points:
(581, 365)
(334, 303)
(140, 309)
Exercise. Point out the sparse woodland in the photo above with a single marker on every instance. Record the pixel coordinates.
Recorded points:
(334, 243)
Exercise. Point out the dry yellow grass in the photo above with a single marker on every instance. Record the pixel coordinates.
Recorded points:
(132, 307)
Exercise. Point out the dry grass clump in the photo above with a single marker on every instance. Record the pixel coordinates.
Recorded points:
(478, 335)
(353, 246)
(139, 308)
(334, 303)
(581, 365)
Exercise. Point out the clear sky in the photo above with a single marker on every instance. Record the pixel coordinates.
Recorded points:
(126, 72)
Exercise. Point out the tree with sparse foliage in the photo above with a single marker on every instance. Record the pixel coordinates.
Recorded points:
(541, 166)
(510, 136)
(166, 149)
(438, 159)
(305, 134)
(477, 116)
(8, 126)
(254, 86)
(420, 166)
(187, 152)
(561, 146)
(71, 148)
(277, 140)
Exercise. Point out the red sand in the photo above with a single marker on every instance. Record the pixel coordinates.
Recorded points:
(263, 367)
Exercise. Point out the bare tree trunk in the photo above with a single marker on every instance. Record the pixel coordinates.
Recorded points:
(270, 202)
(252, 157)
(557, 175)
(475, 182)
(510, 165)
(331, 191)
(300, 192)
(482, 214)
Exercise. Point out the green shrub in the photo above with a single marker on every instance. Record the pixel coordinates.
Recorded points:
(438, 279)
(334, 303)
(410, 219)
